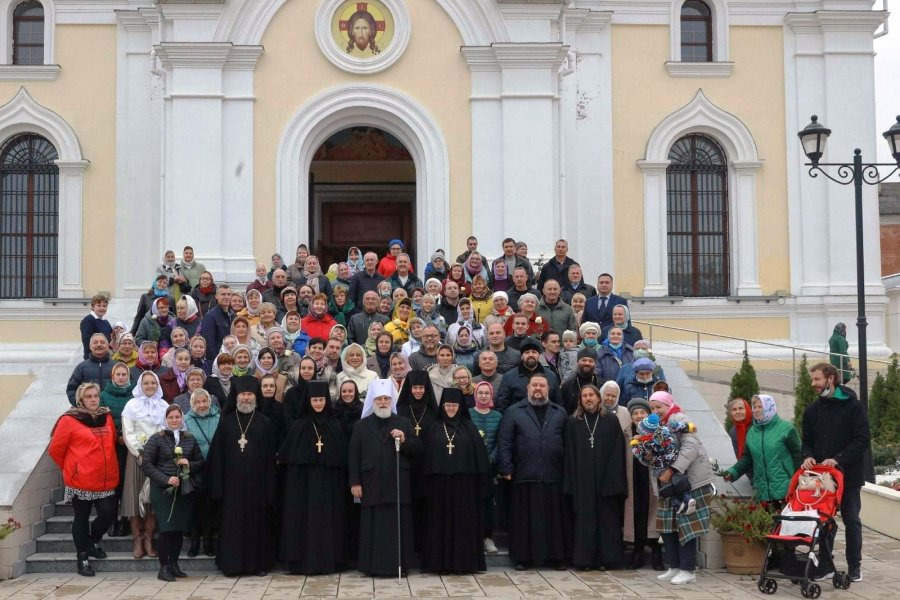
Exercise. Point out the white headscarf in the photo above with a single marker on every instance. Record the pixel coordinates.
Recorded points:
(142, 408)
(379, 387)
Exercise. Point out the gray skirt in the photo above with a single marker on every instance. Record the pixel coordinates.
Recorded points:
(131, 490)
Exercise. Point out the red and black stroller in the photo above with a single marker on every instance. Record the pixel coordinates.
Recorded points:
(801, 545)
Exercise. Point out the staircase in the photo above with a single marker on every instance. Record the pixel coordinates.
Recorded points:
(56, 551)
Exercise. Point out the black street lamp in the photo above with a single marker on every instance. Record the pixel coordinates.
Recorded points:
(813, 138)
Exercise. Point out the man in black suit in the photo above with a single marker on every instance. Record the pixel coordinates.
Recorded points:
(599, 308)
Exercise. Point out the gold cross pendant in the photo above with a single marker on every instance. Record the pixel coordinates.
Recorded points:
(242, 442)
(450, 447)
(319, 445)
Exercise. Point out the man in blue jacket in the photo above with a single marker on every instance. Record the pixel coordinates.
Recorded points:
(599, 308)
(836, 434)
(217, 322)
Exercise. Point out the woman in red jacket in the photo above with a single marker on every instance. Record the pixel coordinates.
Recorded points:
(83, 444)
(318, 323)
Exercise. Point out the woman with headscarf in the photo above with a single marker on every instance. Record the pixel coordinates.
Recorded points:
(202, 420)
(219, 383)
(475, 266)
(251, 311)
(83, 445)
(147, 360)
(398, 326)
(340, 306)
(153, 323)
(430, 315)
(441, 373)
(612, 353)
(621, 316)
(456, 469)
(197, 346)
(465, 347)
(416, 325)
(380, 361)
(462, 380)
(742, 417)
(500, 279)
(194, 381)
(482, 298)
(458, 276)
(158, 289)
(294, 395)
(169, 455)
(399, 370)
(187, 315)
(353, 367)
(277, 263)
(204, 294)
(114, 396)
(528, 303)
(772, 452)
(126, 352)
(266, 363)
(681, 532)
(143, 416)
(243, 361)
(315, 496)
(838, 357)
(355, 260)
(174, 381)
(179, 339)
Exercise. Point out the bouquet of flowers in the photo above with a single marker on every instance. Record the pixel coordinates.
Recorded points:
(7, 528)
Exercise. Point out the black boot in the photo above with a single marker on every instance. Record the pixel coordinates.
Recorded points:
(194, 550)
(175, 569)
(637, 562)
(84, 566)
(96, 551)
(209, 547)
(656, 560)
(628, 556)
(165, 574)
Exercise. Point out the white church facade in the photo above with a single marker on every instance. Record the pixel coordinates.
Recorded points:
(657, 136)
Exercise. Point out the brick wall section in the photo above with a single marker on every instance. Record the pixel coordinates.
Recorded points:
(890, 249)
(31, 508)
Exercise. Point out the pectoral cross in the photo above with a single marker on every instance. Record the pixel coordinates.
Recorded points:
(418, 429)
(319, 444)
(242, 442)
(450, 447)
(592, 441)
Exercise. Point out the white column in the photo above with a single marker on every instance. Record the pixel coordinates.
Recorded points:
(656, 267)
(71, 174)
(587, 141)
(487, 147)
(743, 227)
(531, 142)
(138, 152)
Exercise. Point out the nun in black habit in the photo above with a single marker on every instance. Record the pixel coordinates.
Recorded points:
(348, 410)
(595, 482)
(314, 509)
(418, 404)
(456, 470)
(373, 479)
(241, 478)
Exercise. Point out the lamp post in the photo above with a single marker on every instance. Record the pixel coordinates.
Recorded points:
(813, 138)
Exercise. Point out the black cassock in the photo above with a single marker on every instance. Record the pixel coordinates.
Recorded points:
(348, 415)
(595, 481)
(373, 465)
(316, 496)
(456, 484)
(419, 414)
(243, 482)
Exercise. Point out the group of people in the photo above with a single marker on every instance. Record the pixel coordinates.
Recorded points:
(363, 416)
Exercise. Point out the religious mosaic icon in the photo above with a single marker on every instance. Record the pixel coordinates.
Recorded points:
(363, 30)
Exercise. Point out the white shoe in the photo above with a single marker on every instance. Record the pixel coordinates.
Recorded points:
(668, 574)
(691, 507)
(684, 577)
(489, 546)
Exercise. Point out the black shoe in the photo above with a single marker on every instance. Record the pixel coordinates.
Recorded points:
(165, 574)
(96, 551)
(855, 573)
(208, 548)
(521, 567)
(262, 573)
(84, 566)
(637, 561)
(656, 561)
(194, 550)
(175, 569)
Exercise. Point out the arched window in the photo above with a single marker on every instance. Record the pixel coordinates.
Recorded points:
(29, 218)
(697, 218)
(696, 32)
(28, 34)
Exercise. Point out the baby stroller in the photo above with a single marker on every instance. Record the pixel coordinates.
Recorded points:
(801, 544)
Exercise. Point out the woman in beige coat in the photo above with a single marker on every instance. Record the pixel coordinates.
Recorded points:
(639, 529)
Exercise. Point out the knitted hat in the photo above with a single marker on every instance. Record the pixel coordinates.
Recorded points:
(643, 364)
(503, 295)
(649, 425)
(589, 325)
(587, 353)
(438, 254)
(639, 402)
(664, 397)
(529, 343)
(398, 242)
(568, 334)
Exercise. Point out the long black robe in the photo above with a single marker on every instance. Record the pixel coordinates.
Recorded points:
(348, 415)
(424, 414)
(457, 485)
(372, 464)
(595, 480)
(244, 484)
(314, 509)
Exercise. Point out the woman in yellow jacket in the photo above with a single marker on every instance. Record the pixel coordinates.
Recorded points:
(399, 325)
(482, 298)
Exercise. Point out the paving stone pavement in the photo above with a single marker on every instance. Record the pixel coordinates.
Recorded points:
(881, 581)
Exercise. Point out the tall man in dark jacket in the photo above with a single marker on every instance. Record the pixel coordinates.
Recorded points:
(366, 280)
(599, 308)
(96, 368)
(557, 267)
(836, 434)
(530, 454)
(358, 327)
(217, 322)
(514, 383)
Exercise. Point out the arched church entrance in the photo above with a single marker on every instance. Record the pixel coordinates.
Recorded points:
(362, 192)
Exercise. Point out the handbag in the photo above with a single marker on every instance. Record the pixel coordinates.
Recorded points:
(679, 484)
(144, 497)
(799, 527)
(816, 483)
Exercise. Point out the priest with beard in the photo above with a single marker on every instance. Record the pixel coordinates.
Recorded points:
(373, 481)
(417, 403)
(530, 454)
(456, 470)
(241, 479)
(582, 375)
(595, 480)
(315, 501)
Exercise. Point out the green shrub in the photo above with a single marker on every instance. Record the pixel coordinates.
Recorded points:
(743, 385)
(804, 394)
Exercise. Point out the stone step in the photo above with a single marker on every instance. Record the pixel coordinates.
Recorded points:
(123, 562)
(53, 543)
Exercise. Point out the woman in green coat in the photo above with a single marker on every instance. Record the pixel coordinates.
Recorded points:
(771, 451)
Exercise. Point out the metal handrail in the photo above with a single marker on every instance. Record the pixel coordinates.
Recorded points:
(746, 342)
